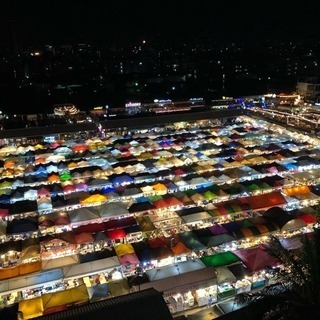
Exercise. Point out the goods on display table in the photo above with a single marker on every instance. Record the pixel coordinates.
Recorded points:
(202, 295)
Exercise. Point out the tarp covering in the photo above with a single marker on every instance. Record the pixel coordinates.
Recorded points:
(31, 308)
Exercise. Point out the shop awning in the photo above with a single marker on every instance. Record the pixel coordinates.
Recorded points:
(88, 268)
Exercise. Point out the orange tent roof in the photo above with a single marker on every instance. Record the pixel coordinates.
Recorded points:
(180, 248)
(296, 190)
(53, 177)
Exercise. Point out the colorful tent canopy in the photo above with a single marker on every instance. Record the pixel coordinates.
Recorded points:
(31, 308)
(220, 259)
(255, 258)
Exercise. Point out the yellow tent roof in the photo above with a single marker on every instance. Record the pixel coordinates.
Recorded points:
(66, 297)
(72, 165)
(31, 308)
(159, 186)
(122, 249)
(94, 198)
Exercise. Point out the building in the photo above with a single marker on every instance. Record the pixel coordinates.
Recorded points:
(309, 89)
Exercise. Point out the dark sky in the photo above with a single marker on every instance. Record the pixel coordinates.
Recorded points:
(65, 21)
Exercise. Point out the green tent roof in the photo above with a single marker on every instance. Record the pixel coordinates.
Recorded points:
(220, 259)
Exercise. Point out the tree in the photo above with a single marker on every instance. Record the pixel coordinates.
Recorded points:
(296, 291)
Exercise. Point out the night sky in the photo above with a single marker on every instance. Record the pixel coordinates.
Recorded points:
(101, 21)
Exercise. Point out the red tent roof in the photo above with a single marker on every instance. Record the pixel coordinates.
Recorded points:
(116, 234)
(308, 218)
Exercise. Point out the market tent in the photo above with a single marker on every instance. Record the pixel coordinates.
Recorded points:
(217, 229)
(308, 218)
(144, 251)
(239, 270)
(180, 248)
(95, 198)
(112, 209)
(98, 292)
(65, 298)
(107, 252)
(225, 275)
(118, 287)
(184, 274)
(255, 258)
(220, 259)
(277, 215)
(116, 234)
(89, 228)
(145, 223)
(200, 216)
(60, 262)
(89, 268)
(293, 224)
(31, 281)
(23, 225)
(84, 237)
(31, 251)
(84, 214)
(265, 201)
(31, 308)
(217, 240)
(191, 241)
(124, 248)
(291, 243)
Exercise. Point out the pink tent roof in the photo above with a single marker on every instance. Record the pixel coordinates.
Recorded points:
(42, 192)
(255, 259)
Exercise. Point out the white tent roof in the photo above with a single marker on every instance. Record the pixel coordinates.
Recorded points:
(30, 281)
(92, 267)
(196, 217)
(179, 275)
(60, 262)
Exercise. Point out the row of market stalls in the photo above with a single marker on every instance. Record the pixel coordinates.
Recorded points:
(184, 205)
